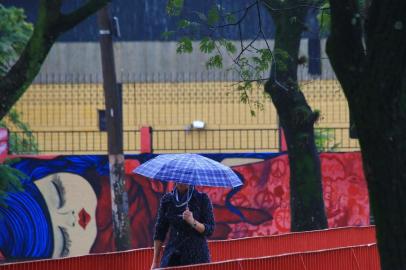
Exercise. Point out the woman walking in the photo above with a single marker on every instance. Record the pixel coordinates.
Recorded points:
(188, 216)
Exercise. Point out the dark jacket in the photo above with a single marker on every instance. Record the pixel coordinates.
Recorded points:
(185, 244)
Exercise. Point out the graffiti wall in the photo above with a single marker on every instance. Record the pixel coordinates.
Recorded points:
(65, 209)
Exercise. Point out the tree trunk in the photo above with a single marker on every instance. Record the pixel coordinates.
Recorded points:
(297, 120)
(382, 136)
(383, 144)
(375, 85)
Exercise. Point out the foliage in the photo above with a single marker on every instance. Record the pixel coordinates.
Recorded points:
(184, 45)
(22, 141)
(324, 18)
(14, 34)
(324, 139)
(249, 62)
(174, 7)
(10, 180)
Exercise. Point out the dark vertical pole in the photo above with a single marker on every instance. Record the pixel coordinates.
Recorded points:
(114, 124)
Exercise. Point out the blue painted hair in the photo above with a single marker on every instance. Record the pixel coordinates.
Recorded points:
(25, 224)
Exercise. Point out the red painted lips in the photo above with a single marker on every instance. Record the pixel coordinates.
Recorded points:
(84, 218)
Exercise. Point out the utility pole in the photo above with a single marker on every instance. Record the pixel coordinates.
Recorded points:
(114, 125)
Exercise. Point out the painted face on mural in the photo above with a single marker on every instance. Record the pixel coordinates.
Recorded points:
(72, 205)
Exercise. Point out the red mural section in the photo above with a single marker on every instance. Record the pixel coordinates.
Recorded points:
(345, 190)
(266, 193)
(261, 206)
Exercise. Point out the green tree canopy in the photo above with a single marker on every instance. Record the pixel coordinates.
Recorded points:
(15, 32)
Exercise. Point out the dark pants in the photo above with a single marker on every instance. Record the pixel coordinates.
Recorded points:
(175, 259)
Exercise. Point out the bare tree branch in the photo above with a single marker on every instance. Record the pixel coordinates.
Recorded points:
(271, 5)
(241, 19)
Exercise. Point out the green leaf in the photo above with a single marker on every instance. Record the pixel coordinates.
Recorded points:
(324, 18)
(167, 34)
(207, 45)
(230, 18)
(230, 47)
(174, 7)
(243, 61)
(215, 62)
(259, 105)
(266, 55)
(324, 139)
(246, 74)
(243, 87)
(10, 181)
(184, 45)
(213, 16)
(244, 95)
(184, 23)
(256, 60)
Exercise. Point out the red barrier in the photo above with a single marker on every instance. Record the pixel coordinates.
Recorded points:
(231, 250)
(146, 140)
(363, 257)
(121, 260)
(291, 242)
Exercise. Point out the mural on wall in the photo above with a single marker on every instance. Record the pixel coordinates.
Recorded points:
(65, 209)
(3, 144)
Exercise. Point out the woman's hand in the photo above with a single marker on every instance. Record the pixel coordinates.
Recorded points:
(188, 216)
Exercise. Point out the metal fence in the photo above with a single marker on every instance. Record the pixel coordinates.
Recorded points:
(178, 140)
(65, 117)
(70, 142)
(74, 106)
(216, 140)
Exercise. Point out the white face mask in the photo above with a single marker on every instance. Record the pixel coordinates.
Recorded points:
(71, 203)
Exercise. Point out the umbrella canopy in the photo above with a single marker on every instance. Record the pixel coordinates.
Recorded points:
(190, 169)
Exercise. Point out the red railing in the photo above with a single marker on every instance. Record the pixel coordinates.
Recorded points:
(363, 257)
(291, 242)
(348, 248)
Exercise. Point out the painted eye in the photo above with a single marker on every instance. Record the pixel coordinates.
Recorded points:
(66, 242)
(60, 189)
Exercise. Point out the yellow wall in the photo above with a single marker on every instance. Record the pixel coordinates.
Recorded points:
(170, 106)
